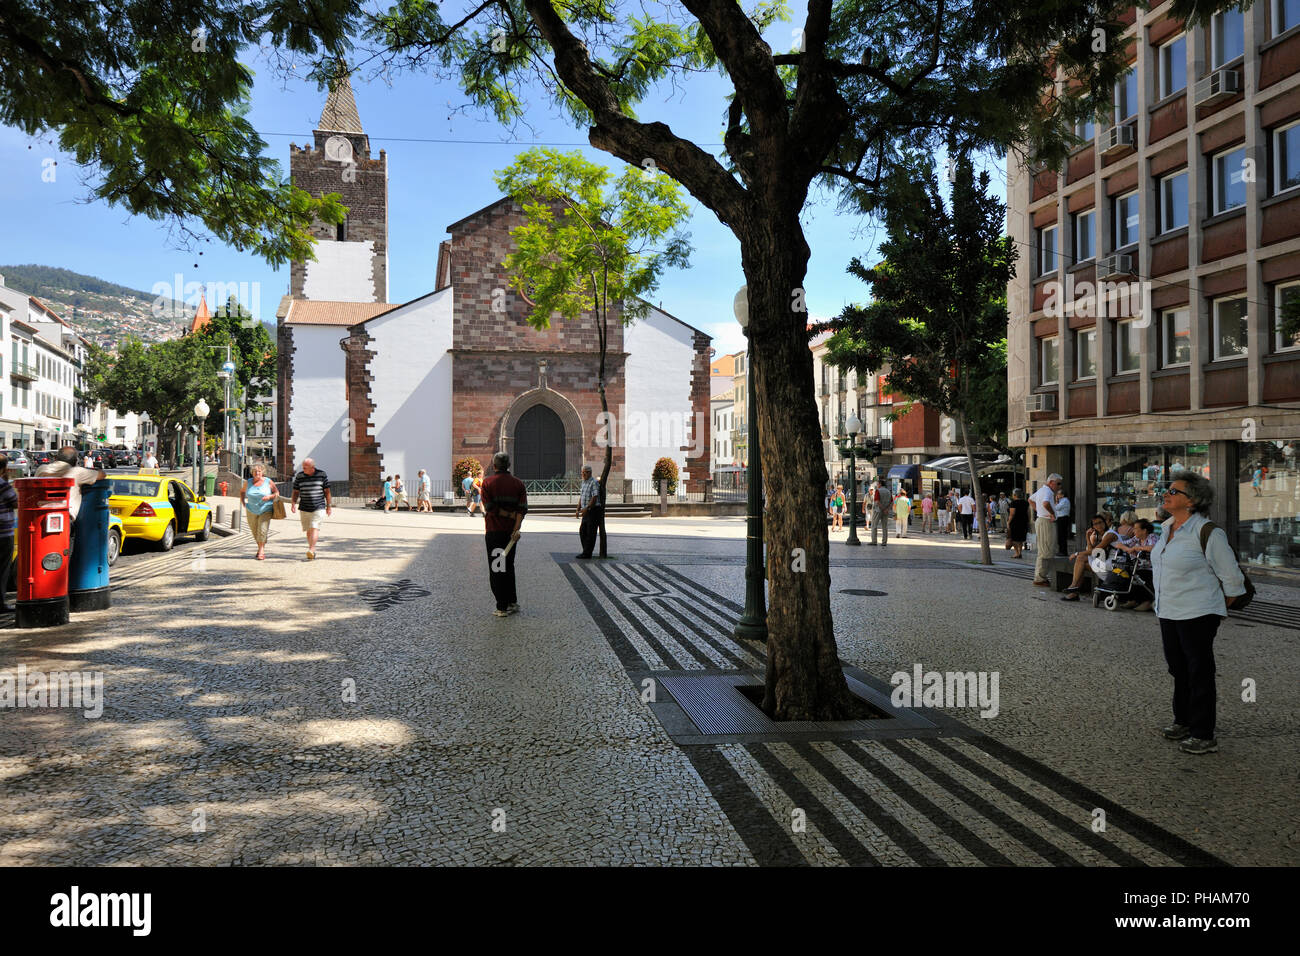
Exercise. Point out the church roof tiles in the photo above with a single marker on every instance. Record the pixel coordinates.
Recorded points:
(324, 312)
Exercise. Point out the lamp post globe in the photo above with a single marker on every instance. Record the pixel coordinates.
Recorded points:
(201, 412)
(753, 621)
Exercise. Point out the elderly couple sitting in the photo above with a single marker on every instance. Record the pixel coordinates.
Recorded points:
(1122, 543)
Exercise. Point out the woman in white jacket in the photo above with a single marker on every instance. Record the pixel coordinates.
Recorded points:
(1196, 580)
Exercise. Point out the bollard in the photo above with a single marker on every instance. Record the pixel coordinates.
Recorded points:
(236, 518)
(663, 496)
(88, 564)
(221, 514)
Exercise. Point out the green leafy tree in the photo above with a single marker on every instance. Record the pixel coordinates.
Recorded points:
(164, 380)
(939, 313)
(251, 349)
(869, 86)
(150, 98)
(589, 250)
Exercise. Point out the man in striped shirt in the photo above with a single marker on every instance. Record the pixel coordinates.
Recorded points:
(311, 496)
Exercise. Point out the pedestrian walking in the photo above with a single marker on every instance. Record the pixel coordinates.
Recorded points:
(151, 461)
(902, 511)
(927, 513)
(1044, 502)
(991, 511)
(966, 513)
(1257, 481)
(8, 519)
(954, 510)
(1004, 506)
(943, 515)
(311, 496)
(837, 509)
(880, 500)
(1196, 579)
(399, 494)
(505, 502)
(473, 488)
(258, 499)
(1017, 522)
(589, 510)
(424, 491)
(1063, 527)
(388, 493)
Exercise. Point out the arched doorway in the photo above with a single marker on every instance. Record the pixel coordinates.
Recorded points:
(539, 445)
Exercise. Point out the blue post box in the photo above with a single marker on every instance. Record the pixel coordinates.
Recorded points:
(88, 564)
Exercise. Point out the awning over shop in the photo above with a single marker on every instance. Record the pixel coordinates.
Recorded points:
(958, 464)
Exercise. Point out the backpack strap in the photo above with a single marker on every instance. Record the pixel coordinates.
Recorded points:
(1207, 529)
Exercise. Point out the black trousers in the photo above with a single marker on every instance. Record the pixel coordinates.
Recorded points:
(1189, 652)
(966, 522)
(588, 529)
(1063, 528)
(503, 582)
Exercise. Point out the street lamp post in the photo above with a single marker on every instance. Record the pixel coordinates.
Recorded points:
(854, 426)
(201, 413)
(753, 622)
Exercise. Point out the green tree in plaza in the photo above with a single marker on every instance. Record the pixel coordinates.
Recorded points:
(938, 315)
(251, 349)
(164, 380)
(589, 248)
(150, 98)
(860, 89)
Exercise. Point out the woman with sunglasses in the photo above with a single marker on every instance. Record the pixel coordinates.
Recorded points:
(1194, 588)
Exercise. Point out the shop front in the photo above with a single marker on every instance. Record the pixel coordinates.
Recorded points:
(1268, 504)
(1134, 477)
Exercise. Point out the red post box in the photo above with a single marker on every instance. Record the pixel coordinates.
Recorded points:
(45, 538)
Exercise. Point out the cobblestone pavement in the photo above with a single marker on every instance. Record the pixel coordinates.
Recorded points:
(366, 708)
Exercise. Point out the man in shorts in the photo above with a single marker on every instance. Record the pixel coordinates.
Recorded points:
(472, 486)
(311, 496)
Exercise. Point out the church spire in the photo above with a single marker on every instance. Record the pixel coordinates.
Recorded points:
(340, 112)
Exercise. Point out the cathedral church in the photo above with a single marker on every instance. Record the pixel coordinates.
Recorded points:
(369, 388)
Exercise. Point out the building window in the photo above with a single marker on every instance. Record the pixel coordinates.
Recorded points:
(1049, 359)
(1286, 157)
(1085, 130)
(1286, 14)
(1282, 295)
(1227, 37)
(1085, 354)
(1230, 328)
(1268, 516)
(1173, 201)
(1084, 245)
(1047, 250)
(1176, 338)
(1128, 347)
(1173, 66)
(1126, 220)
(341, 231)
(1229, 180)
(1126, 96)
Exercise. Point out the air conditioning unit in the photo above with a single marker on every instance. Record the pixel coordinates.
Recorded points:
(1117, 138)
(1217, 86)
(1041, 402)
(1120, 265)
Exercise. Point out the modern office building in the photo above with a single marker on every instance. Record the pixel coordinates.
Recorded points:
(1144, 333)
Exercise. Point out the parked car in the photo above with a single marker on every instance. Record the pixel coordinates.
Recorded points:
(158, 509)
(20, 465)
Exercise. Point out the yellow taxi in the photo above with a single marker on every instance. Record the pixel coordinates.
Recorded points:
(158, 509)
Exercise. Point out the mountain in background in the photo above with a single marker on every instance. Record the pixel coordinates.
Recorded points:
(104, 312)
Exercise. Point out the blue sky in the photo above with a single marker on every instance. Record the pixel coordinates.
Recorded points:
(431, 184)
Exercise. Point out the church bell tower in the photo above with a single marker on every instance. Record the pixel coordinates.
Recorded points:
(351, 262)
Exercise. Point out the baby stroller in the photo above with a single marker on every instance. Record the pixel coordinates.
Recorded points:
(1123, 578)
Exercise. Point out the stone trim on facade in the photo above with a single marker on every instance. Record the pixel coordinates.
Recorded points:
(284, 457)
(364, 478)
(699, 467)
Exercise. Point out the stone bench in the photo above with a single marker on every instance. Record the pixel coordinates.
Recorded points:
(1061, 573)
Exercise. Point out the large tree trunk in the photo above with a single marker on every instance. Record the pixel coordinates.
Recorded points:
(804, 679)
(986, 557)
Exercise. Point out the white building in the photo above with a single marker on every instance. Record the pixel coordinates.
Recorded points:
(723, 410)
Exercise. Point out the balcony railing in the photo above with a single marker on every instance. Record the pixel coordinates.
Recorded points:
(23, 371)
